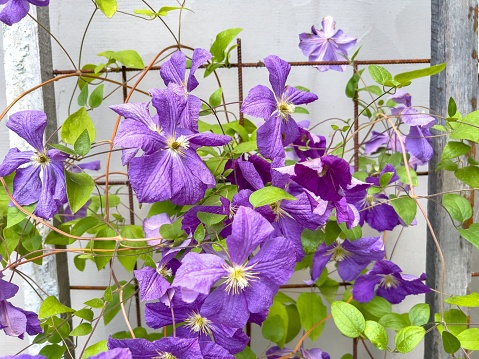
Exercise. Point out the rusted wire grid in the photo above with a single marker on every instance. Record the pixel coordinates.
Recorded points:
(240, 65)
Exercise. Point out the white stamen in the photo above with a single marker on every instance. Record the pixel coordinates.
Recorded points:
(239, 277)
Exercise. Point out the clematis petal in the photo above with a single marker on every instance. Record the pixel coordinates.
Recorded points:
(269, 138)
(227, 309)
(138, 112)
(152, 285)
(200, 56)
(169, 107)
(14, 159)
(208, 139)
(299, 97)
(142, 349)
(134, 134)
(12, 320)
(14, 11)
(118, 353)
(363, 287)
(260, 102)
(29, 125)
(174, 69)
(278, 73)
(320, 258)
(27, 185)
(210, 350)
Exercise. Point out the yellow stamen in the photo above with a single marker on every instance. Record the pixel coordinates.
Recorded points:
(238, 278)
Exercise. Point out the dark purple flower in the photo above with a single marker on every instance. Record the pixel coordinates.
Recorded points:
(118, 353)
(39, 173)
(251, 173)
(392, 284)
(15, 321)
(352, 256)
(308, 145)
(170, 167)
(12, 11)
(24, 356)
(327, 44)
(166, 348)
(173, 73)
(277, 352)
(249, 283)
(275, 107)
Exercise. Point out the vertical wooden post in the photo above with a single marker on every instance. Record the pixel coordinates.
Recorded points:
(454, 41)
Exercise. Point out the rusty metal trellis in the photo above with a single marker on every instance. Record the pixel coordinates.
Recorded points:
(239, 65)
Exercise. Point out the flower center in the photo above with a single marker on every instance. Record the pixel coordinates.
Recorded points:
(238, 278)
(178, 145)
(323, 171)
(285, 109)
(164, 272)
(278, 211)
(165, 355)
(40, 159)
(339, 253)
(388, 281)
(198, 324)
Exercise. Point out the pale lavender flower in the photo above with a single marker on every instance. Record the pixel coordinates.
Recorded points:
(24, 356)
(12, 11)
(391, 284)
(275, 107)
(39, 176)
(168, 347)
(327, 44)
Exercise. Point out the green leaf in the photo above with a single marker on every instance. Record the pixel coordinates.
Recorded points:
(83, 96)
(352, 85)
(385, 178)
(377, 334)
(310, 240)
(469, 300)
(63, 148)
(352, 233)
(96, 97)
(329, 289)
(419, 314)
(467, 128)
(447, 165)
(247, 353)
(88, 77)
(298, 109)
(405, 207)
(79, 188)
(210, 218)
(394, 321)
(457, 206)
(107, 7)
(113, 306)
(51, 306)
(455, 319)
(348, 319)
(374, 89)
(454, 149)
(81, 330)
(469, 339)
(402, 173)
(74, 126)
(471, 234)
(85, 313)
(451, 107)
(469, 175)
(311, 311)
(269, 195)
(294, 322)
(172, 231)
(199, 234)
(216, 98)
(221, 42)
(408, 338)
(128, 58)
(166, 9)
(95, 349)
(245, 147)
(378, 307)
(274, 329)
(15, 216)
(95, 303)
(379, 74)
(449, 341)
(52, 351)
(82, 144)
(406, 77)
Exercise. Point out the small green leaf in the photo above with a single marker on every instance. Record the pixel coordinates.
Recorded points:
(269, 195)
(377, 334)
(395, 321)
(199, 234)
(469, 339)
(419, 314)
(107, 7)
(96, 97)
(95, 349)
(81, 330)
(299, 109)
(467, 128)
(85, 313)
(83, 96)
(221, 42)
(210, 218)
(408, 338)
(310, 240)
(294, 322)
(79, 262)
(379, 74)
(63, 148)
(82, 144)
(406, 77)
(128, 58)
(79, 188)
(378, 307)
(247, 353)
(74, 126)
(245, 147)
(471, 234)
(274, 329)
(469, 175)
(454, 149)
(348, 319)
(402, 173)
(51, 306)
(405, 207)
(216, 98)
(457, 206)
(449, 341)
(352, 85)
(385, 178)
(15, 216)
(311, 311)
(451, 107)
(375, 90)
(95, 303)
(166, 9)
(469, 300)
(52, 351)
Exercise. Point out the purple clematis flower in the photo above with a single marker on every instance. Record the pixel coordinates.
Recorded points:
(352, 256)
(39, 173)
(169, 167)
(275, 107)
(173, 73)
(392, 284)
(167, 348)
(276, 352)
(327, 44)
(308, 145)
(25, 356)
(15, 321)
(249, 284)
(118, 353)
(12, 11)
